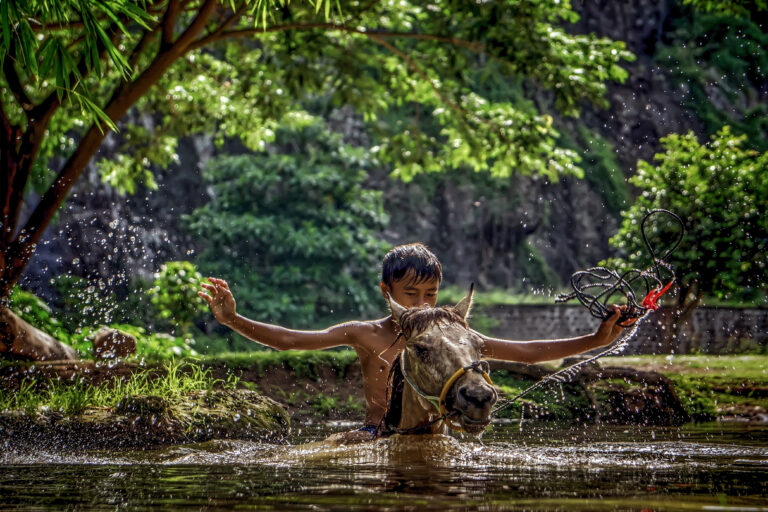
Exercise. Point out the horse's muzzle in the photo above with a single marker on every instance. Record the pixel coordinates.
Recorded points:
(472, 405)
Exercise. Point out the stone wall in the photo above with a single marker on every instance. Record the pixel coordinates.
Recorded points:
(710, 329)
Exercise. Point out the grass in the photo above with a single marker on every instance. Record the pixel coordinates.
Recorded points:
(175, 379)
(304, 363)
(741, 366)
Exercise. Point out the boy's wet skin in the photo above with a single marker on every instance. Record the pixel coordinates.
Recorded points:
(411, 275)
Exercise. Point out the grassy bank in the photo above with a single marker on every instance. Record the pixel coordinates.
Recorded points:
(328, 384)
(171, 380)
(710, 386)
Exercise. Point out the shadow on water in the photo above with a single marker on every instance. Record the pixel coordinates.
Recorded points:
(533, 467)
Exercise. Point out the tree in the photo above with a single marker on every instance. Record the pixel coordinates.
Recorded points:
(294, 229)
(720, 191)
(72, 69)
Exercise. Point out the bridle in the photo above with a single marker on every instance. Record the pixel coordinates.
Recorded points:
(439, 401)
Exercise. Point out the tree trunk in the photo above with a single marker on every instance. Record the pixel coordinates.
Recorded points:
(18, 339)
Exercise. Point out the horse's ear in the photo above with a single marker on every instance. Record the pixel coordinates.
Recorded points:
(465, 304)
(397, 309)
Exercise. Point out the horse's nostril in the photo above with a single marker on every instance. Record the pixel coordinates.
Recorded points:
(476, 395)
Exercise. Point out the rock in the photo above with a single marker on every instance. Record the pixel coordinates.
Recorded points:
(19, 339)
(112, 343)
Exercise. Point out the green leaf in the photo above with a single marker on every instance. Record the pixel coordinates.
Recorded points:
(28, 43)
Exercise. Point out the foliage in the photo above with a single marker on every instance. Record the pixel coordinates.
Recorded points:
(174, 293)
(538, 274)
(719, 61)
(33, 310)
(72, 70)
(565, 402)
(729, 7)
(708, 385)
(293, 229)
(150, 346)
(368, 68)
(174, 379)
(719, 190)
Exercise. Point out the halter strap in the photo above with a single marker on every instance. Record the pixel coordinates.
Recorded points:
(439, 401)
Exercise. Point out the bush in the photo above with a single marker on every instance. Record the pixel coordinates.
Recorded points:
(720, 191)
(174, 294)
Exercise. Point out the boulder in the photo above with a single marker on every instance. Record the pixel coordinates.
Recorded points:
(112, 343)
(18, 339)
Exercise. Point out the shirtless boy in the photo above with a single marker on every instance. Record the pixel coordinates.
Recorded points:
(411, 274)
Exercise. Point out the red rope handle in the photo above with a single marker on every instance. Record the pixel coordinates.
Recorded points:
(650, 300)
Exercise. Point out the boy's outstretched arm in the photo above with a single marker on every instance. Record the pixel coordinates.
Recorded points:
(222, 304)
(547, 350)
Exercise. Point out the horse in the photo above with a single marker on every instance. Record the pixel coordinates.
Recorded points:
(438, 382)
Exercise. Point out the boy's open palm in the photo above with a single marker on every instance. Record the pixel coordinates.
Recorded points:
(219, 299)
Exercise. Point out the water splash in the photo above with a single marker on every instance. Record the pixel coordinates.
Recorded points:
(568, 373)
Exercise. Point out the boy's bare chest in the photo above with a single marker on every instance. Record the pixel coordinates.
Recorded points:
(376, 360)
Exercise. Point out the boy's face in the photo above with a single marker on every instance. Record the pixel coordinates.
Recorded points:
(411, 294)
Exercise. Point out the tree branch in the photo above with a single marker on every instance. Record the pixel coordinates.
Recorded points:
(140, 48)
(14, 84)
(226, 24)
(124, 98)
(169, 23)
(7, 161)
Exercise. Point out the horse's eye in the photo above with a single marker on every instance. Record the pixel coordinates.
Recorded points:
(421, 350)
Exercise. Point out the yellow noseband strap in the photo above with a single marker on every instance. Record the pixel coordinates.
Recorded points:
(461, 371)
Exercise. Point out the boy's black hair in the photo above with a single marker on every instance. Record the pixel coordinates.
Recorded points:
(410, 257)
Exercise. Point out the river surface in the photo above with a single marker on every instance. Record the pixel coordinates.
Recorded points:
(514, 467)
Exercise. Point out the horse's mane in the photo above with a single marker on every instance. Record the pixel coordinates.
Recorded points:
(394, 411)
(412, 320)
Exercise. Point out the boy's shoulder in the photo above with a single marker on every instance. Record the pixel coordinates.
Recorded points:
(371, 334)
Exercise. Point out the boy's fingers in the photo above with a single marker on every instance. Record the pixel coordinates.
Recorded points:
(205, 296)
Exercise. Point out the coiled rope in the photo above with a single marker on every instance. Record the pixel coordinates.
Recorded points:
(597, 286)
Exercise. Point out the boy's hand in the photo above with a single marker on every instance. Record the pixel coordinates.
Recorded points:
(610, 329)
(220, 300)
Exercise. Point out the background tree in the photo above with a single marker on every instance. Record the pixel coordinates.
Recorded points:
(293, 229)
(71, 70)
(720, 191)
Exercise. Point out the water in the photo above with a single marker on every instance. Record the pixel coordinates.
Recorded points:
(517, 467)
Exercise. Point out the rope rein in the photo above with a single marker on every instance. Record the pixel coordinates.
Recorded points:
(611, 284)
(606, 283)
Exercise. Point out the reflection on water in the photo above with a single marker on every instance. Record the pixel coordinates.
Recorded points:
(533, 467)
